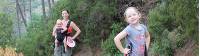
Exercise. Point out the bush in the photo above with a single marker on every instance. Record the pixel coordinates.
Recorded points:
(6, 30)
(108, 46)
(174, 19)
(37, 41)
(93, 18)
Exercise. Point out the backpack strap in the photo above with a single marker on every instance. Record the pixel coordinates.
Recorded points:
(68, 24)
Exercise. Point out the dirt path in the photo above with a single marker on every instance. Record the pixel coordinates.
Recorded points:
(9, 52)
(87, 51)
(187, 50)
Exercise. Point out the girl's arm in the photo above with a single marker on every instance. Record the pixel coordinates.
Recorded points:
(75, 27)
(117, 41)
(147, 39)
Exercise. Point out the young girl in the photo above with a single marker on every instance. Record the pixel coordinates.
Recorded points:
(136, 35)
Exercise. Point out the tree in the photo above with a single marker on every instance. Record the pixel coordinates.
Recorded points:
(52, 1)
(18, 8)
(172, 24)
(49, 2)
(6, 29)
(30, 9)
(43, 9)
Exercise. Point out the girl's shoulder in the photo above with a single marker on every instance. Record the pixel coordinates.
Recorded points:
(143, 25)
(127, 28)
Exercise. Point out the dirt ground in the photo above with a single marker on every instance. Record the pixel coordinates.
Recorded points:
(9, 52)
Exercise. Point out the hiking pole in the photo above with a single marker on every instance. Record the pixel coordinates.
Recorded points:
(125, 54)
(146, 51)
(128, 53)
(129, 47)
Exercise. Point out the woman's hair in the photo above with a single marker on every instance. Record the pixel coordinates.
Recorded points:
(125, 13)
(67, 12)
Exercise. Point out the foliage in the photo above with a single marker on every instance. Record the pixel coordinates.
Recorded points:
(92, 17)
(38, 41)
(108, 45)
(171, 23)
(6, 29)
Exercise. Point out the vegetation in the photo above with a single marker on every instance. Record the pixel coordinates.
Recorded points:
(6, 29)
(171, 23)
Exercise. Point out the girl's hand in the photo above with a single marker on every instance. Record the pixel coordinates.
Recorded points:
(64, 29)
(126, 51)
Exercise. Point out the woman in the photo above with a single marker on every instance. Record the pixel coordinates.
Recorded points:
(70, 25)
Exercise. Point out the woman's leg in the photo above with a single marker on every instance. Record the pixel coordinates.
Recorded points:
(65, 43)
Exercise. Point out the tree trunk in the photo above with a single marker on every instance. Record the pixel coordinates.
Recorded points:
(24, 8)
(18, 19)
(19, 9)
(49, 2)
(43, 8)
(53, 1)
(30, 9)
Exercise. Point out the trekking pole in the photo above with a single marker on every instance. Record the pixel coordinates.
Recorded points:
(125, 54)
(146, 51)
(129, 47)
(128, 53)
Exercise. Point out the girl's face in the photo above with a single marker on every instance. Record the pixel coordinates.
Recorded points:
(59, 24)
(65, 15)
(132, 16)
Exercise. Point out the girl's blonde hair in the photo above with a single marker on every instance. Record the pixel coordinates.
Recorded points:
(125, 13)
(58, 21)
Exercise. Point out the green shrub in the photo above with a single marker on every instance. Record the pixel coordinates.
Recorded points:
(177, 20)
(108, 46)
(6, 22)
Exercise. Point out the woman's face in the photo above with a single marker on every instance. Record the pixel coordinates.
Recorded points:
(65, 15)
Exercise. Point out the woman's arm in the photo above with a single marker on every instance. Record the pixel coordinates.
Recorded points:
(54, 30)
(117, 41)
(147, 39)
(75, 27)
